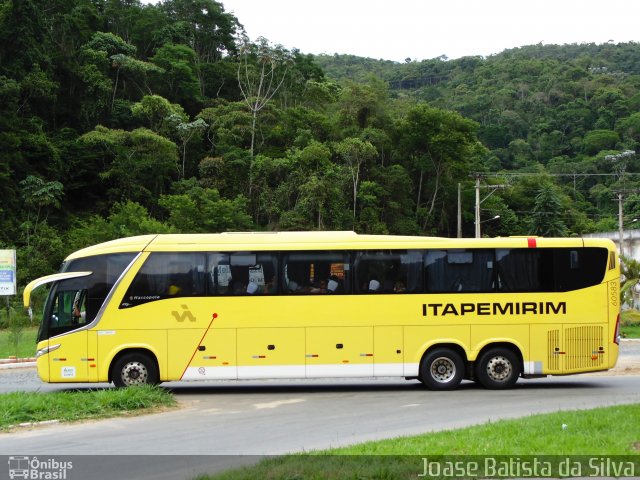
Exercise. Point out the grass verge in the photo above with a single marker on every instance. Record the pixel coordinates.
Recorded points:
(601, 431)
(30, 407)
(23, 346)
(630, 324)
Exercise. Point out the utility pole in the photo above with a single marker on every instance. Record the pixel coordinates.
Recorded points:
(479, 202)
(477, 222)
(620, 162)
(459, 212)
(620, 224)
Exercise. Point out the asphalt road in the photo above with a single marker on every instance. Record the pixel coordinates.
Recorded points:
(229, 419)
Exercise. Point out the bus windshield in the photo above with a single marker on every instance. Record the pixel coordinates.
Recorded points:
(75, 302)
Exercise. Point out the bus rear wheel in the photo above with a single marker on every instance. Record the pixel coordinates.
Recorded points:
(134, 369)
(498, 368)
(442, 369)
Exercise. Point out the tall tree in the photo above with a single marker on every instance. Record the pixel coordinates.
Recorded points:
(355, 153)
(261, 72)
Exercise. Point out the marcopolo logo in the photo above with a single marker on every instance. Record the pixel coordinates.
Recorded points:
(34, 468)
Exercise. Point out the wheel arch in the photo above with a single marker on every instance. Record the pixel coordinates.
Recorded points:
(451, 345)
(512, 346)
(126, 351)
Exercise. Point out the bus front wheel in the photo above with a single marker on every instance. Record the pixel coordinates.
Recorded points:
(498, 368)
(442, 369)
(134, 369)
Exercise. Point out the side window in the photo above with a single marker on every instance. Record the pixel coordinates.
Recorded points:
(550, 269)
(316, 273)
(525, 270)
(69, 309)
(577, 268)
(459, 270)
(167, 275)
(389, 271)
(245, 273)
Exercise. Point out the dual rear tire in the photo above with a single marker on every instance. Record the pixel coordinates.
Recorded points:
(444, 368)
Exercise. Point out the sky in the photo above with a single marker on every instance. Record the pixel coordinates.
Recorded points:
(425, 29)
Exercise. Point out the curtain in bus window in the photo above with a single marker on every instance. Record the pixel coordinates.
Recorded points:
(518, 270)
(459, 270)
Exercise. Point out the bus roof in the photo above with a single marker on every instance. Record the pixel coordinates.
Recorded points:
(248, 241)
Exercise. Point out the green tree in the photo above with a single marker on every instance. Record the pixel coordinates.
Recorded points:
(178, 82)
(547, 216)
(261, 72)
(355, 154)
(440, 145)
(140, 163)
(199, 210)
(39, 195)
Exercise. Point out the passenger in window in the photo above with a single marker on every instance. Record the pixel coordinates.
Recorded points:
(399, 287)
(332, 286)
(293, 286)
(270, 286)
(321, 288)
(79, 309)
(374, 286)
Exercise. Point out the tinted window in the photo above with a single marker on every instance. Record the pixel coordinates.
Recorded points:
(389, 271)
(459, 270)
(525, 270)
(550, 270)
(579, 268)
(316, 273)
(243, 273)
(167, 275)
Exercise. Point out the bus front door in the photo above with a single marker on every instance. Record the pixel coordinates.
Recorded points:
(68, 352)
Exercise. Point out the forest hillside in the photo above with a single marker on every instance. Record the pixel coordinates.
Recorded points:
(120, 118)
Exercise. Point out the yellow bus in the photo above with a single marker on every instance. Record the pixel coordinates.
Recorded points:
(159, 308)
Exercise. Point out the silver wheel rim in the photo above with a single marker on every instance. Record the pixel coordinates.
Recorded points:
(499, 368)
(443, 370)
(134, 373)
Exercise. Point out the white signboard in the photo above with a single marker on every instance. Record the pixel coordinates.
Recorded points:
(7, 272)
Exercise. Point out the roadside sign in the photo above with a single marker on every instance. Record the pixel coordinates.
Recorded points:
(7, 272)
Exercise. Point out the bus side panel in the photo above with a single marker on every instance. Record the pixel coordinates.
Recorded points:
(69, 362)
(271, 352)
(483, 335)
(213, 359)
(112, 342)
(417, 340)
(92, 355)
(388, 351)
(182, 347)
(339, 352)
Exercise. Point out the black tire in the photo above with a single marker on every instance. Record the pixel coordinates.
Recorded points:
(498, 368)
(442, 369)
(134, 369)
